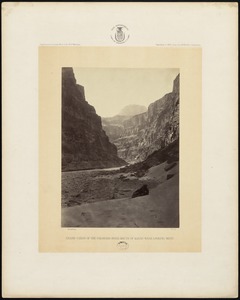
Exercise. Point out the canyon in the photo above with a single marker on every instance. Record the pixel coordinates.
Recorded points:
(136, 137)
(120, 171)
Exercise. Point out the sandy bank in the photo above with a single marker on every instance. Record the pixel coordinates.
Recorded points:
(158, 209)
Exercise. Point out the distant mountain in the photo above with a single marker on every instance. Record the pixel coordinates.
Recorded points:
(114, 125)
(85, 144)
(132, 110)
(138, 136)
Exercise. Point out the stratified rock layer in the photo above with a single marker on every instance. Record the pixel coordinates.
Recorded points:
(85, 144)
(139, 136)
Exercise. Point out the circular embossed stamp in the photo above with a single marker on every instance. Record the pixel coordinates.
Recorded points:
(123, 245)
(120, 34)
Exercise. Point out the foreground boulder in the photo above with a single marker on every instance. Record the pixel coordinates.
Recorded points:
(141, 192)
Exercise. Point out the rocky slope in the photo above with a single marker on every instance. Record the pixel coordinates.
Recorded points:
(85, 144)
(139, 136)
(145, 194)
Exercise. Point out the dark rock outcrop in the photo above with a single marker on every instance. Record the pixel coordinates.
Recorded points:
(141, 192)
(170, 166)
(169, 176)
(85, 144)
(169, 154)
(138, 136)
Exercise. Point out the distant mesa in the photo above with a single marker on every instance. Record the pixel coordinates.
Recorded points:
(132, 110)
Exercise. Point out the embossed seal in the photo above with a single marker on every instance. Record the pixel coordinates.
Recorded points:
(119, 34)
(122, 245)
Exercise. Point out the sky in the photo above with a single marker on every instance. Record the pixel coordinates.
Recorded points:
(109, 90)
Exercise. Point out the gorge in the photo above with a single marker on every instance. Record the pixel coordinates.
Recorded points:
(120, 171)
(138, 136)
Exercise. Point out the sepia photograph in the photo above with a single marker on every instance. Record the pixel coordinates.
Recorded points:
(120, 147)
(114, 145)
(120, 150)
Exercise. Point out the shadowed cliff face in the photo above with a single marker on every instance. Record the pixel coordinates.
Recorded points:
(139, 136)
(84, 143)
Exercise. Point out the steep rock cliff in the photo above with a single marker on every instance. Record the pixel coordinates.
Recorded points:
(139, 136)
(113, 126)
(85, 144)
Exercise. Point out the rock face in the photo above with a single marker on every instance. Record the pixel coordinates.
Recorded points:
(113, 126)
(85, 144)
(132, 110)
(141, 192)
(138, 136)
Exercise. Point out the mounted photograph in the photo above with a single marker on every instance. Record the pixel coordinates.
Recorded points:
(120, 147)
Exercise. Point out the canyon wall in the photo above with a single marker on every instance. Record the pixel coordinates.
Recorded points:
(139, 136)
(85, 144)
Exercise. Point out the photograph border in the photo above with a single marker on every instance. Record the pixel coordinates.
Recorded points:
(53, 238)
